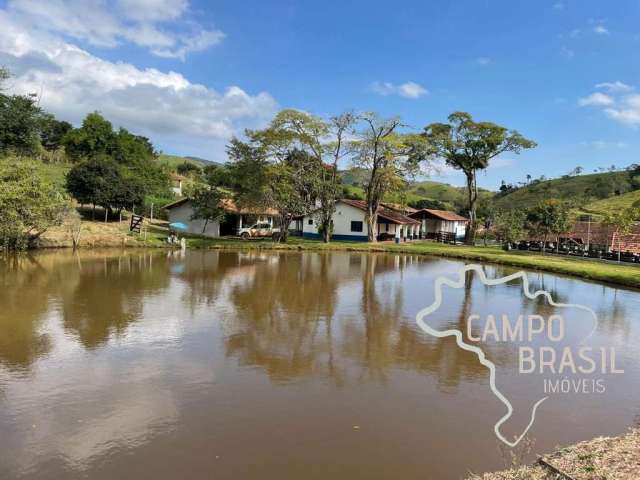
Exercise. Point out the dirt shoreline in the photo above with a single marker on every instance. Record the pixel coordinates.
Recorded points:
(602, 458)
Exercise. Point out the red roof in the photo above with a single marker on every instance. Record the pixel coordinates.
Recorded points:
(386, 214)
(440, 214)
(229, 206)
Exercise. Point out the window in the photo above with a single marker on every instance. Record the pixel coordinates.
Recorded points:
(356, 226)
(310, 221)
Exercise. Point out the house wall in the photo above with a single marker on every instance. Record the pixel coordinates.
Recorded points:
(433, 225)
(182, 213)
(342, 219)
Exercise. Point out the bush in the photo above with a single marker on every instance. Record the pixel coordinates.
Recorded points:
(29, 204)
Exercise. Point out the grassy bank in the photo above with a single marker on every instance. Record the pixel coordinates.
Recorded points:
(610, 458)
(98, 234)
(621, 274)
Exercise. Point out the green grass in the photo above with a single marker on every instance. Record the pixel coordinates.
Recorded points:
(56, 172)
(572, 188)
(620, 274)
(611, 204)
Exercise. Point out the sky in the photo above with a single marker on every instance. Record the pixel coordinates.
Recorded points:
(190, 74)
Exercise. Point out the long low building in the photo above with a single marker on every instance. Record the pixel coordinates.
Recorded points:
(181, 211)
(349, 223)
(441, 224)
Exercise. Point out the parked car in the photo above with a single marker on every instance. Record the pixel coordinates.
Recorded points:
(259, 230)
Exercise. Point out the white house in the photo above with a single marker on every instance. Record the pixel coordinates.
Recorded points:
(441, 224)
(176, 184)
(181, 211)
(349, 223)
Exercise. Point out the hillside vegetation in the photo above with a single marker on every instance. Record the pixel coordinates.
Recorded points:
(611, 205)
(450, 197)
(579, 190)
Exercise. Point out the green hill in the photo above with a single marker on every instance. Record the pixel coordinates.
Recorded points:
(610, 205)
(451, 197)
(579, 190)
(172, 161)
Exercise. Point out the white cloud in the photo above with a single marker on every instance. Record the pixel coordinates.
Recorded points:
(619, 104)
(407, 89)
(567, 52)
(616, 86)
(602, 144)
(596, 99)
(161, 105)
(158, 25)
(600, 30)
(483, 61)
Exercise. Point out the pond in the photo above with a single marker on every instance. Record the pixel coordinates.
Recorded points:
(229, 365)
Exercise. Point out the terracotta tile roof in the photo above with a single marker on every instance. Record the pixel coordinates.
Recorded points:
(229, 206)
(405, 210)
(441, 214)
(384, 213)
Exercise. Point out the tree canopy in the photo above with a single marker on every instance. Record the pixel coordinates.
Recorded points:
(469, 146)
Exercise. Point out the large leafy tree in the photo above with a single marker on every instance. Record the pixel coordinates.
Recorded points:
(94, 137)
(134, 154)
(387, 157)
(549, 217)
(100, 181)
(329, 187)
(52, 131)
(29, 204)
(469, 146)
(19, 124)
(301, 136)
(288, 159)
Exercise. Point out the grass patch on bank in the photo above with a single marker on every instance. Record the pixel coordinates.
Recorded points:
(621, 274)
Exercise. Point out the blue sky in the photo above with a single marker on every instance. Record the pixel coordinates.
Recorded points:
(191, 74)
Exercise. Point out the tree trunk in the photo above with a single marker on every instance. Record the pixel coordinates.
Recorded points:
(206, 222)
(544, 244)
(472, 194)
(326, 231)
(371, 219)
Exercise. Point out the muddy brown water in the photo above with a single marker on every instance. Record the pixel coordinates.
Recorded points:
(240, 365)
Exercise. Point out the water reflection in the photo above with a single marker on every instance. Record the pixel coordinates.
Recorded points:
(105, 355)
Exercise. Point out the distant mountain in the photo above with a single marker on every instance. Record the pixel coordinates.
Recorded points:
(174, 160)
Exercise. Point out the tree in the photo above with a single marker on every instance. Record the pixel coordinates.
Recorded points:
(292, 147)
(29, 204)
(549, 217)
(94, 137)
(101, 181)
(388, 157)
(207, 205)
(93, 181)
(52, 131)
(622, 222)
(469, 146)
(509, 225)
(428, 203)
(329, 188)
(19, 124)
(186, 168)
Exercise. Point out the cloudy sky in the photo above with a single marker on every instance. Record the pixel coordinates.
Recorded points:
(190, 73)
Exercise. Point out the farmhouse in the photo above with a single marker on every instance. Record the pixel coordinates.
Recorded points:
(349, 223)
(182, 210)
(176, 184)
(441, 224)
